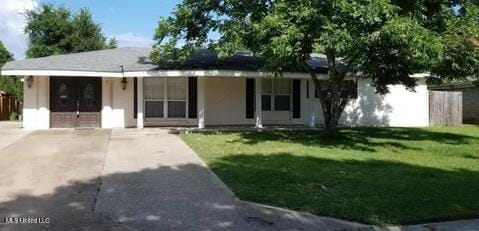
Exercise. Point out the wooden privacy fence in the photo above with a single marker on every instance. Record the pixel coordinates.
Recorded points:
(445, 108)
(9, 105)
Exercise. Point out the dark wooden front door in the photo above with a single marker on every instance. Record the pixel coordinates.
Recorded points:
(75, 102)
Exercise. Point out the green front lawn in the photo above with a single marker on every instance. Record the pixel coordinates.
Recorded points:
(371, 175)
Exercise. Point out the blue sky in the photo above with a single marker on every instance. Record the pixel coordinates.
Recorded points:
(131, 22)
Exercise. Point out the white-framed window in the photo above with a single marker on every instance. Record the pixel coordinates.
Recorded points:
(154, 96)
(165, 97)
(276, 95)
(176, 88)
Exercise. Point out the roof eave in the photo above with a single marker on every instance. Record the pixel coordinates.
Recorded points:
(155, 73)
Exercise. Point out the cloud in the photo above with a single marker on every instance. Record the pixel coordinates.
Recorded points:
(132, 40)
(111, 9)
(12, 13)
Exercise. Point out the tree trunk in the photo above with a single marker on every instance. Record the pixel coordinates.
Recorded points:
(332, 101)
(330, 94)
(332, 108)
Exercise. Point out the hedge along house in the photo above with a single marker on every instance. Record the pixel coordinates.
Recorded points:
(121, 88)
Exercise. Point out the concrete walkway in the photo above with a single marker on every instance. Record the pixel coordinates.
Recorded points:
(154, 181)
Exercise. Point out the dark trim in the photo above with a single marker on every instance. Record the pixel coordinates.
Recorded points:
(135, 98)
(192, 97)
(250, 98)
(296, 98)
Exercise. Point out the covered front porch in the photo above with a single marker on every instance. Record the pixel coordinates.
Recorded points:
(168, 101)
(222, 101)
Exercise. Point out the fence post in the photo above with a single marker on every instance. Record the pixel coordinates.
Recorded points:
(1, 107)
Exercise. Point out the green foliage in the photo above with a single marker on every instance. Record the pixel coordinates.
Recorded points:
(112, 43)
(460, 59)
(55, 30)
(382, 40)
(13, 116)
(9, 84)
(12, 85)
(5, 56)
(382, 59)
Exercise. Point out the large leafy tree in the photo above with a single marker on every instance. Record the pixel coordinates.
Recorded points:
(386, 41)
(9, 84)
(55, 30)
(5, 55)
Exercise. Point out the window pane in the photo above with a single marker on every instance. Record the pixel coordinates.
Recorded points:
(282, 102)
(282, 86)
(154, 109)
(153, 88)
(176, 109)
(176, 88)
(266, 102)
(266, 86)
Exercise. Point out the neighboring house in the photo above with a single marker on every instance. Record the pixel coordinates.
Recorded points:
(121, 88)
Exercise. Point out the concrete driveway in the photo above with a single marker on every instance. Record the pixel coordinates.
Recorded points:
(54, 175)
(126, 180)
(10, 132)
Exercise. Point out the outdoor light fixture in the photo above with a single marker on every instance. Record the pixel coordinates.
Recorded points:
(123, 81)
(29, 81)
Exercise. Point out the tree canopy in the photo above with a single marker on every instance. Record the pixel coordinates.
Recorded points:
(386, 41)
(9, 84)
(56, 30)
(5, 55)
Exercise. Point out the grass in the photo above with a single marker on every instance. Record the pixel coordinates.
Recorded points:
(372, 175)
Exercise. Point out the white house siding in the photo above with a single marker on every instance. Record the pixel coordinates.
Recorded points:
(225, 101)
(225, 104)
(36, 104)
(399, 108)
(117, 104)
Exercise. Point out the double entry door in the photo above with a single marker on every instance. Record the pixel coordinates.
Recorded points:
(75, 102)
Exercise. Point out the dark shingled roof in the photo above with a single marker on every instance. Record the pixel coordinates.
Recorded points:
(137, 59)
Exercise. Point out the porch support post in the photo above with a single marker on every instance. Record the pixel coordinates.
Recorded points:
(312, 104)
(139, 103)
(201, 102)
(258, 107)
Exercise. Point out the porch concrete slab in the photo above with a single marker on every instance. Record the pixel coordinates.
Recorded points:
(10, 132)
(153, 181)
(54, 174)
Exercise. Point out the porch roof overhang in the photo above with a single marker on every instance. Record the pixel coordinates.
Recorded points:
(159, 73)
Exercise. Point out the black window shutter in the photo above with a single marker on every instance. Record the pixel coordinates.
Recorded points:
(250, 98)
(192, 97)
(135, 98)
(296, 98)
